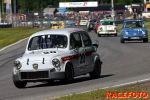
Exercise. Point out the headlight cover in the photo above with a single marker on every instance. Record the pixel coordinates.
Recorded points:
(127, 33)
(101, 28)
(17, 64)
(143, 32)
(56, 63)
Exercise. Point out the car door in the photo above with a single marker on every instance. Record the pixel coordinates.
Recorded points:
(88, 48)
(77, 51)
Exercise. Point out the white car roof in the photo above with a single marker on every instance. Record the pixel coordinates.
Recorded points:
(64, 31)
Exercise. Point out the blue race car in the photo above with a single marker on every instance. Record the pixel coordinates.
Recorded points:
(133, 30)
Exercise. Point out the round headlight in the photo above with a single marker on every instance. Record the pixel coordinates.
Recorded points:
(17, 65)
(143, 32)
(101, 28)
(126, 33)
(56, 62)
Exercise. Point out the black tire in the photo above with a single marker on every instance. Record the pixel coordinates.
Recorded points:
(145, 40)
(20, 84)
(50, 81)
(99, 35)
(69, 73)
(115, 34)
(96, 73)
(122, 40)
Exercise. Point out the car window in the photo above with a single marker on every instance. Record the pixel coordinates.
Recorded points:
(35, 43)
(48, 41)
(134, 24)
(86, 39)
(107, 23)
(75, 41)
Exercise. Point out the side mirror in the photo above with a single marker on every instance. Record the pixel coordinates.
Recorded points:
(76, 48)
(95, 44)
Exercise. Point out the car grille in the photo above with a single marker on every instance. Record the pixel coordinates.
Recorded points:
(110, 30)
(34, 75)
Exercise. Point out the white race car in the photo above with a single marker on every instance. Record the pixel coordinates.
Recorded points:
(107, 27)
(59, 54)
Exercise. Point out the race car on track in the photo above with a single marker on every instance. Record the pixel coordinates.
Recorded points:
(57, 54)
(77, 23)
(91, 24)
(107, 27)
(134, 30)
(57, 24)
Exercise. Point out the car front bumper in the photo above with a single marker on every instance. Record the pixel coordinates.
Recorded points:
(38, 75)
(107, 32)
(135, 37)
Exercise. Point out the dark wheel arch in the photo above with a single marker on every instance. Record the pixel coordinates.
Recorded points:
(96, 73)
(69, 73)
(122, 40)
(145, 40)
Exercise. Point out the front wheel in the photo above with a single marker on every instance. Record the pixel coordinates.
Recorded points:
(145, 40)
(122, 40)
(97, 70)
(69, 73)
(20, 84)
(50, 81)
(99, 35)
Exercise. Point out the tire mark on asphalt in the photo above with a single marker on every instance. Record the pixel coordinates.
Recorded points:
(12, 51)
(8, 59)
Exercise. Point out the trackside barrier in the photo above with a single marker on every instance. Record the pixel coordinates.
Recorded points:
(5, 25)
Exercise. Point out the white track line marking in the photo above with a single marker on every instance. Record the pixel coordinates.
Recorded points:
(12, 44)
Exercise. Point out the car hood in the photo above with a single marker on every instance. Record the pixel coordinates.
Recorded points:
(40, 55)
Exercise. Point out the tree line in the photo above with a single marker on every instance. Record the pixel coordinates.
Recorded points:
(39, 5)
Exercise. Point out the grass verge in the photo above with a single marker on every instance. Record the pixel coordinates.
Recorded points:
(100, 94)
(11, 35)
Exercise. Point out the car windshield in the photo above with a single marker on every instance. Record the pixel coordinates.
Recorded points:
(134, 24)
(107, 23)
(55, 24)
(47, 41)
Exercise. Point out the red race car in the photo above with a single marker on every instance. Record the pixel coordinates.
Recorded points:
(96, 25)
(77, 23)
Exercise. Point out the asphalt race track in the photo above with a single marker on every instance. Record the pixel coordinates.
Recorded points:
(122, 63)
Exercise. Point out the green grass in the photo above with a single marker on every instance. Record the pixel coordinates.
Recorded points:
(11, 35)
(100, 94)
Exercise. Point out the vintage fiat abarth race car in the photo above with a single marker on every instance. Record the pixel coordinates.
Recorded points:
(57, 54)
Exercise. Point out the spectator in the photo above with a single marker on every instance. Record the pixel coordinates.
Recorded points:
(139, 16)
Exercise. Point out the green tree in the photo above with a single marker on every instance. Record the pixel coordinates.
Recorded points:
(39, 5)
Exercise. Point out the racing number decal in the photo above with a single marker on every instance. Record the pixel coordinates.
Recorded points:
(82, 58)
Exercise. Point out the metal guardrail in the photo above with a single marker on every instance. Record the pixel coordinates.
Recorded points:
(4, 25)
(68, 23)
